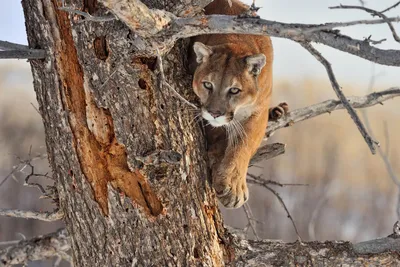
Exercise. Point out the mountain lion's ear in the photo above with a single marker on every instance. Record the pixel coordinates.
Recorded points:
(255, 63)
(202, 51)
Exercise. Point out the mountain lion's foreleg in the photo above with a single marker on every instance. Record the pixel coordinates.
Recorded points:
(229, 177)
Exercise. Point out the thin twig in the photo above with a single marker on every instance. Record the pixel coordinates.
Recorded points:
(41, 216)
(368, 139)
(374, 13)
(164, 81)
(36, 109)
(333, 25)
(385, 158)
(57, 261)
(272, 182)
(262, 183)
(391, 7)
(314, 215)
(249, 216)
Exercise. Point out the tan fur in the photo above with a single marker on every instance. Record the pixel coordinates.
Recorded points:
(226, 62)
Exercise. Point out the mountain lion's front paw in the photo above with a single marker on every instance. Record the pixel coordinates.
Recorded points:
(275, 113)
(231, 188)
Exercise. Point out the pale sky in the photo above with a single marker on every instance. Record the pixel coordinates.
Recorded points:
(291, 60)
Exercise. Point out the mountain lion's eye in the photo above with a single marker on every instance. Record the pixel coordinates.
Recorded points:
(234, 91)
(208, 85)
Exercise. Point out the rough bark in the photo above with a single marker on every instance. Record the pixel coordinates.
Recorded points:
(102, 105)
(104, 109)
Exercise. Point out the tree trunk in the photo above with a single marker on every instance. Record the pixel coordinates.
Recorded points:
(103, 107)
(129, 163)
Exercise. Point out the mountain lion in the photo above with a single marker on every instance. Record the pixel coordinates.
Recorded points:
(233, 79)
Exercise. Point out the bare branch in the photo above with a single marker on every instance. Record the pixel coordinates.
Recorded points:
(391, 7)
(33, 174)
(23, 54)
(38, 248)
(272, 182)
(335, 85)
(331, 105)
(374, 13)
(250, 220)
(164, 29)
(333, 25)
(42, 216)
(188, 27)
(144, 21)
(384, 155)
(260, 182)
(379, 252)
(7, 46)
(13, 50)
(267, 152)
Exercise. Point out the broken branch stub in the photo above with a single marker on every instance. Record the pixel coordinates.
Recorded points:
(144, 21)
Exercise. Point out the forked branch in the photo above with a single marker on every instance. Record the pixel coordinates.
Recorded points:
(335, 85)
(375, 13)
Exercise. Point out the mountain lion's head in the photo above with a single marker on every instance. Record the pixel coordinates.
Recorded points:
(225, 83)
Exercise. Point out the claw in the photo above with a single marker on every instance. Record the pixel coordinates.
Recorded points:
(225, 192)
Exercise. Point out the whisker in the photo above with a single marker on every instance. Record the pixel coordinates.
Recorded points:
(244, 134)
(195, 119)
(236, 133)
(240, 130)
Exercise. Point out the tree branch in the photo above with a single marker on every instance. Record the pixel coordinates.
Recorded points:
(164, 28)
(331, 105)
(265, 183)
(373, 13)
(391, 7)
(335, 85)
(38, 248)
(23, 54)
(12, 50)
(249, 253)
(267, 152)
(329, 253)
(42, 216)
(7, 46)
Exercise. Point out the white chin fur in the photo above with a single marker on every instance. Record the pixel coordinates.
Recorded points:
(215, 122)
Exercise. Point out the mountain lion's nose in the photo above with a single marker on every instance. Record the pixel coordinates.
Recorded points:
(215, 113)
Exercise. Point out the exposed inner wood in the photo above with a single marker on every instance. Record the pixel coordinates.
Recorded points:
(102, 159)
